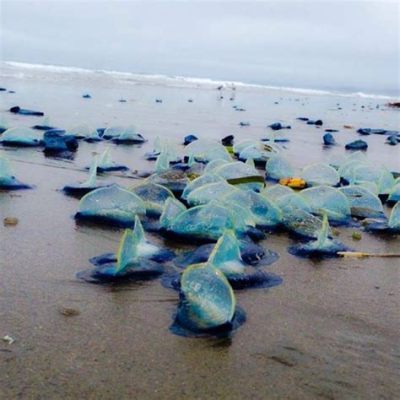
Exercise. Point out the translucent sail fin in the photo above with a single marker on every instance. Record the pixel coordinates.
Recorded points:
(394, 220)
(323, 233)
(162, 163)
(5, 169)
(126, 252)
(226, 254)
(91, 181)
(172, 209)
(250, 163)
(191, 160)
(105, 159)
(138, 231)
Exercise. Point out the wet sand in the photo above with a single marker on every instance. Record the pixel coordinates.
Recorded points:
(329, 331)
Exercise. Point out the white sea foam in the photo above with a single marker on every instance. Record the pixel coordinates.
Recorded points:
(17, 69)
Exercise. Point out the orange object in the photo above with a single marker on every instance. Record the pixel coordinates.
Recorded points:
(294, 183)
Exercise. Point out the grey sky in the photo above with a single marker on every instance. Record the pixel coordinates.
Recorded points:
(317, 44)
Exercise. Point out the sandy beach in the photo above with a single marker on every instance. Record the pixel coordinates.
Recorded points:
(329, 331)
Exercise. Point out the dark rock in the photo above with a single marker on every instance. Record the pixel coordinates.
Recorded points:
(23, 111)
(357, 145)
(393, 140)
(227, 140)
(276, 126)
(329, 139)
(318, 122)
(189, 139)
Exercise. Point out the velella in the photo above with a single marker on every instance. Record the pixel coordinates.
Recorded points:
(90, 184)
(7, 179)
(208, 192)
(391, 226)
(129, 136)
(243, 175)
(394, 194)
(21, 137)
(172, 208)
(207, 304)
(363, 203)
(301, 223)
(326, 200)
(264, 212)
(132, 263)
(226, 257)
(106, 164)
(322, 246)
(201, 181)
(154, 197)
(206, 151)
(143, 249)
(320, 174)
(111, 205)
(206, 222)
(278, 167)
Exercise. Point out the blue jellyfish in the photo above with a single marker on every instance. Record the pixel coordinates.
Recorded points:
(132, 262)
(322, 246)
(7, 179)
(207, 304)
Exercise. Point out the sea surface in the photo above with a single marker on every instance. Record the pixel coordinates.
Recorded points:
(329, 331)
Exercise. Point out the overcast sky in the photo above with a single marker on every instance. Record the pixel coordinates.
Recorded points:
(317, 44)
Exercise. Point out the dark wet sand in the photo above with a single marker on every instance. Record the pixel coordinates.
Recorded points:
(330, 331)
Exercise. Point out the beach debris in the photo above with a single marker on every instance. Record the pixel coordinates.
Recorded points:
(244, 123)
(302, 119)
(8, 339)
(189, 139)
(111, 205)
(317, 122)
(10, 221)
(369, 131)
(357, 145)
(328, 139)
(359, 254)
(24, 111)
(293, 182)
(159, 101)
(356, 236)
(348, 126)
(21, 137)
(276, 126)
(227, 141)
(7, 179)
(68, 311)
